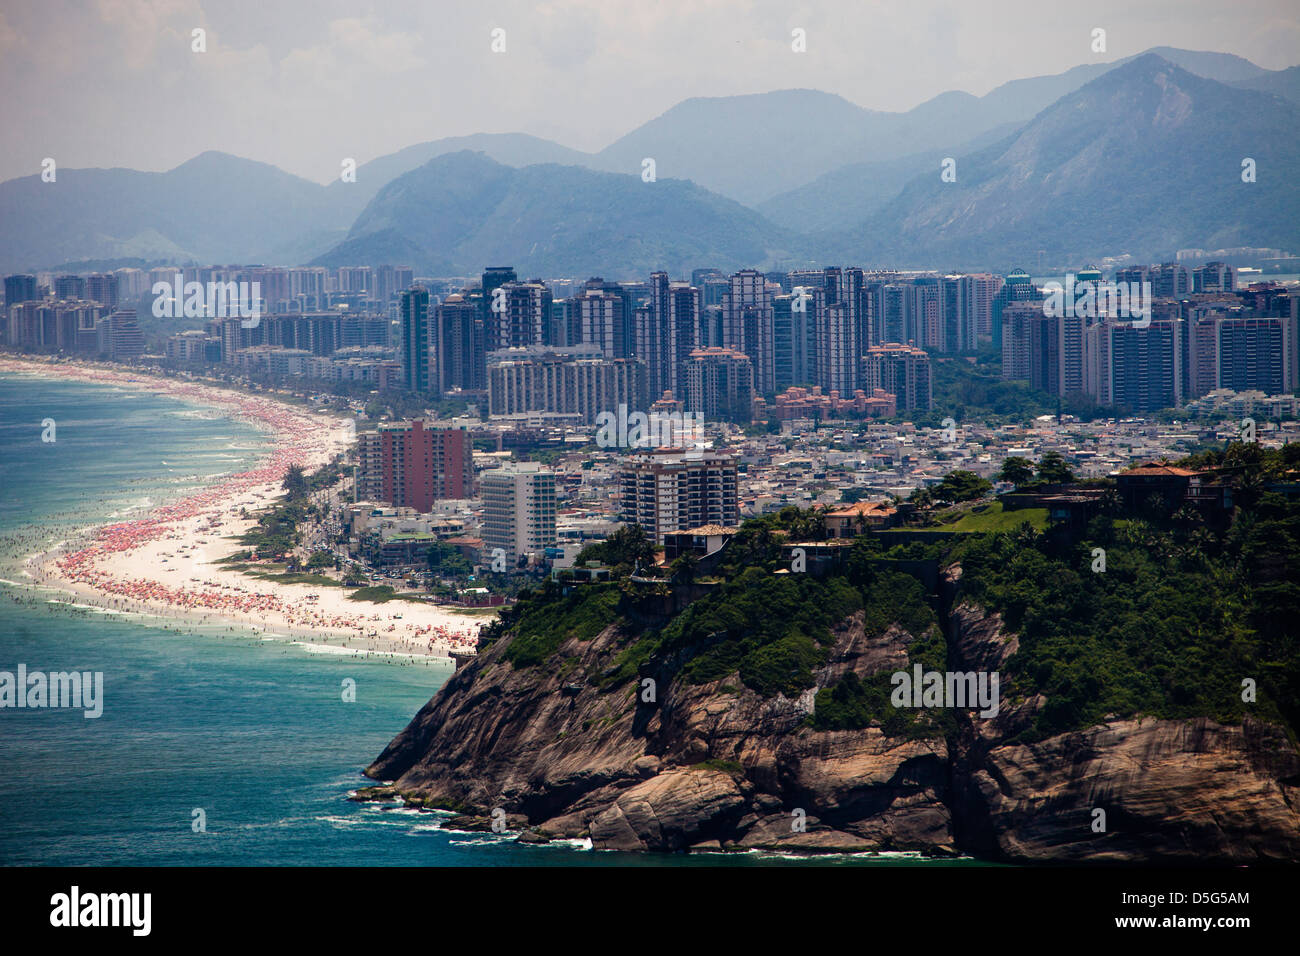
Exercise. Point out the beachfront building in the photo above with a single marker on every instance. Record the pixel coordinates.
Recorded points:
(119, 337)
(518, 510)
(574, 380)
(407, 465)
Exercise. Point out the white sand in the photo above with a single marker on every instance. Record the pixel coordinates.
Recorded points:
(165, 563)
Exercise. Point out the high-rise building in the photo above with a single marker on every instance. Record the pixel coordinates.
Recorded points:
(984, 288)
(1140, 369)
(965, 311)
(49, 324)
(747, 325)
(713, 288)
(460, 361)
(1170, 281)
(698, 276)
(1214, 277)
(416, 352)
(1045, 354)
(1129, 274)
(494, 276)
(901, 370)
(1255, 354)
(408, 466)
(518, 509)
(518, 315)
(666, 330)
(656, 340)
(892, 313)
(19, 288)
(562, 381)
(684, 317)
(596, 318)
(844, 287)
(665, 491)
(69, 287)
(308, 287)
(783, 341)
(120, 338)
(720, 385)
(1018, 287)
(102, 289)
(355, 279)
(839, 355)
(924, 311)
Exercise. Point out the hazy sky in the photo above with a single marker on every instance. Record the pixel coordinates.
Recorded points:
(303, 84)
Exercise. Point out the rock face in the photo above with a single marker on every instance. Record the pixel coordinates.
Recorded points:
(715, 765)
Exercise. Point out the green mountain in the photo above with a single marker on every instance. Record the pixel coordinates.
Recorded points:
(509, 149)
(1285, 83)
(213, 208)
(844, 197)
(758, 148)
(1145, 159)
(459, 211)
(837, 181)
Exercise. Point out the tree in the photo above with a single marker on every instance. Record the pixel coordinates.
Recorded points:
(295, 482)
(685, 567)
(623, 551)
(962, 485)
(922, 497)
(1053, 469)
(802, 525)
(446, 560)
(1019, 471)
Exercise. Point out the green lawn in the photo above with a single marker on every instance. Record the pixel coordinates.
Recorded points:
(992, 518)
(382, 594)
(980, 518)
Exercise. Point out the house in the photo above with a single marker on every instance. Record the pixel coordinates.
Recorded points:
(818, 558)
(704, 541)
(854, 519)
(1173, 485)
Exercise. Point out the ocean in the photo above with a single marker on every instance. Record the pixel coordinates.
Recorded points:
(243, 732)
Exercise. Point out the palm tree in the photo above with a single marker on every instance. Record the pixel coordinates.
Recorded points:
(685, 567)
(1026, 536)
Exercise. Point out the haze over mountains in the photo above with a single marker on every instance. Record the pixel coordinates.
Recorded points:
(1144, 159)
(1140, 156)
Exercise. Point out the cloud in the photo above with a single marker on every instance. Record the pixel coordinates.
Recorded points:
(302, 84)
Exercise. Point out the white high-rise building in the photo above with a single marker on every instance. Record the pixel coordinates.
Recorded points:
(518, 510)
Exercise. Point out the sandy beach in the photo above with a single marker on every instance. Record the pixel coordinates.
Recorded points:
(165, 563)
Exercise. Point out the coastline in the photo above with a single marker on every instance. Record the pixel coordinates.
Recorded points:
(164, 563)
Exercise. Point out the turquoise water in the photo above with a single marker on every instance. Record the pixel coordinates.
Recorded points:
(252, 731)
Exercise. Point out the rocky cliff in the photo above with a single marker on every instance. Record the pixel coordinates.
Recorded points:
(569, 748)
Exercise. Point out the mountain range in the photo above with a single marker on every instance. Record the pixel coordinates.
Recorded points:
(1142, 155)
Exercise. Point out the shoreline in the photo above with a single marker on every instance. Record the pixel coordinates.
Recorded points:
(164, 561)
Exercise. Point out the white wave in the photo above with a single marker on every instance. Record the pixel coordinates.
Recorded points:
(340, 651)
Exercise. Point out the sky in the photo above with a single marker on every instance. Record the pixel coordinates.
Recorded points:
(303, 85)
